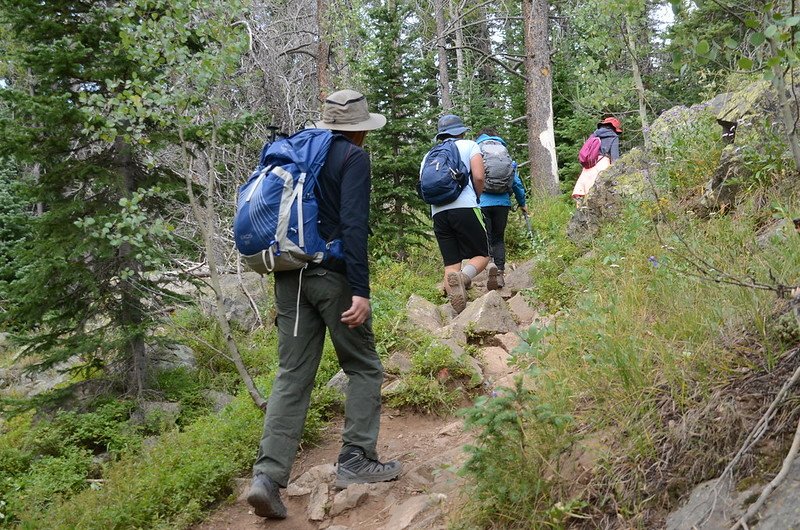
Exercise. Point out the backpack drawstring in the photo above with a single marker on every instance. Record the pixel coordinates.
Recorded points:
(297, 304)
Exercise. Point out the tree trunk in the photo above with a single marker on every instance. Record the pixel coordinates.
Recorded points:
(444, 77)
(323, 51)
(461, 68)
(484, 44)
(539, 98)
(630, 44)
(131, 312)
(788, 113)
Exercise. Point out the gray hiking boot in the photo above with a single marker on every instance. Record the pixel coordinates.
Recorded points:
(501, 280)
(491, 283)
(355, 468)
(456, 291)
(265, 498)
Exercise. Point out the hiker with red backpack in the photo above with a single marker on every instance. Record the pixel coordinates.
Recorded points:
(451, 181)
(501, 180)
(597, 154)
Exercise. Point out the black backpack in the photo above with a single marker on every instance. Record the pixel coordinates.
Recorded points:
(443, 175)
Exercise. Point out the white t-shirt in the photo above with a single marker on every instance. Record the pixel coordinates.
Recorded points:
(467, 149)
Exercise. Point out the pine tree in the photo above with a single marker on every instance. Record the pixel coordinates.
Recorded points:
(397, 89)
(88, 104)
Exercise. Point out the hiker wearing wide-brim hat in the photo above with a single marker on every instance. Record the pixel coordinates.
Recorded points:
(457, 219)
(332, 296)
(450, 125)
(346, 110)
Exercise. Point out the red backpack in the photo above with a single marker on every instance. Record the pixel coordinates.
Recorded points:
(590, 152)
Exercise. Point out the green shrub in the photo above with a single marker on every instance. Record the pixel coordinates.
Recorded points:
(650, 322)
(185, 472)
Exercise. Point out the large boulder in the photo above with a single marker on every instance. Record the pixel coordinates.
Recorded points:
(679, 120)
(627, 179)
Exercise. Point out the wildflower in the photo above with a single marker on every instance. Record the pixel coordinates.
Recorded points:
(653, 261)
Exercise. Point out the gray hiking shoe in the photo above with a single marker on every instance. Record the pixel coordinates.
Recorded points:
(491, 283)
(501, 280)
(265, 498)
(456, 291)
(355, 468)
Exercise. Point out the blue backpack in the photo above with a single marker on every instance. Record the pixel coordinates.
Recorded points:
(443, 175)
(275, 226)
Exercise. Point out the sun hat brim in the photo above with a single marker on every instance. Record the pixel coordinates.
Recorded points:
(375, 121)
(453, 131)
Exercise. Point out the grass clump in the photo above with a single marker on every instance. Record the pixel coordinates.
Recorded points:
(435, 383)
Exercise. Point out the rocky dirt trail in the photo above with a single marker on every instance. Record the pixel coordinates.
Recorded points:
(428, 492)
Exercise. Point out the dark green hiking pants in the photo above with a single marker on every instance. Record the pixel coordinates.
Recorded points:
(323, 296)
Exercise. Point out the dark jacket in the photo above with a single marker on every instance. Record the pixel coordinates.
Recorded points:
(609, 142)
(343, 194)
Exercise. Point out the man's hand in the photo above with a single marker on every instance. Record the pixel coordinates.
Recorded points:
(358, 313)
(524, 209)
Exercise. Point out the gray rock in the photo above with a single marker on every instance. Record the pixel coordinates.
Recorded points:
(453, 331)
(626, 179)
(219, 400)
(448, 313)
(522, 311)
(413, 509)
(392, 387)
(775, 232)
(722, 189)
(318, 502)
(171, 357)
(488, 315)
(495, 362)
(398, 363)
(423, 314)
(782, 508)
(165, 413)
(507, 341)
(519, 278)
(725, 503)
(315, 475)
(349, 498)
(339, 381)
(238, 309)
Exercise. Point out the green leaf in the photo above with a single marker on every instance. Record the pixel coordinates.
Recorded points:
(758, 38)
(792, 21)
(703, 47)
(771, 31)
(745, 63)
(731, 43)
(751, 22)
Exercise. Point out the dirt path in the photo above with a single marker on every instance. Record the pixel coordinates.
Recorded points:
(428, 490)
(428, 446)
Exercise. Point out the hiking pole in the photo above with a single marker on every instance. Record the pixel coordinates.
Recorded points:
(528, 225)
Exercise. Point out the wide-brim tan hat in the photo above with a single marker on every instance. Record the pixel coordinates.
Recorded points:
(346, 110)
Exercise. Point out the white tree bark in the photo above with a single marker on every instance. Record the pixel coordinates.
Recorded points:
(539, 98)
